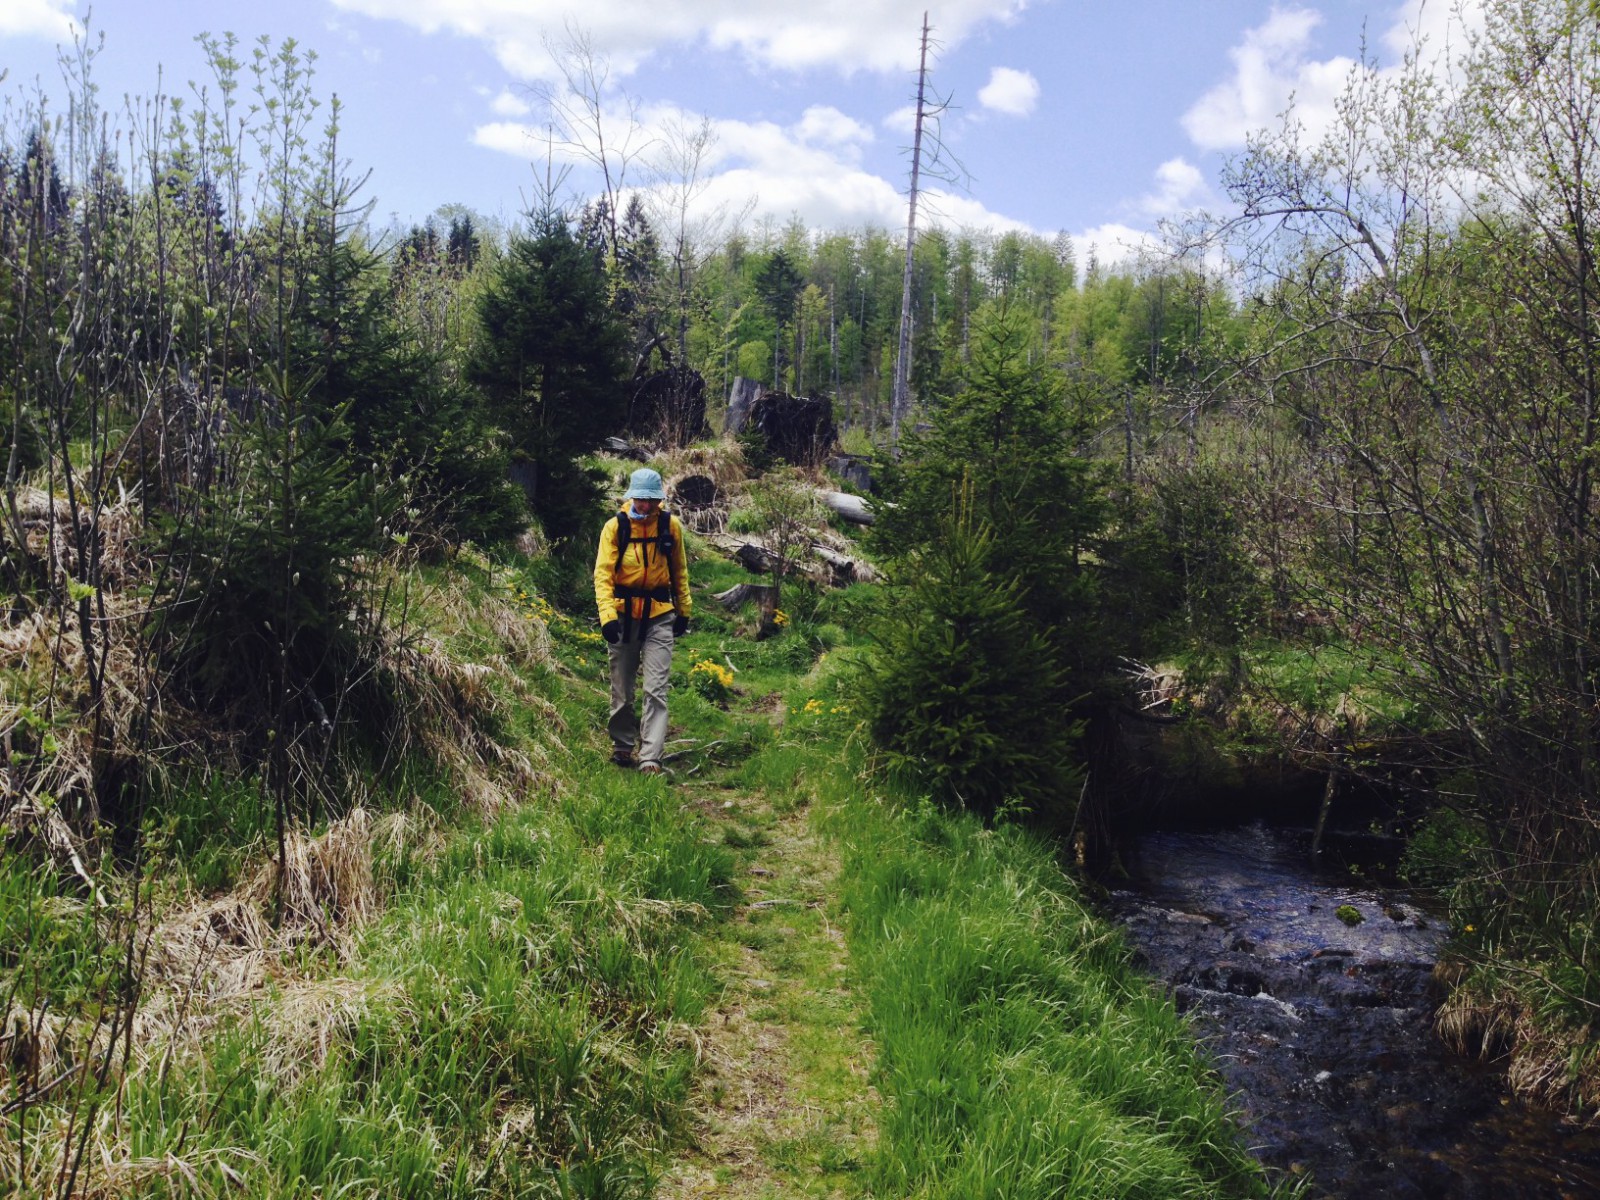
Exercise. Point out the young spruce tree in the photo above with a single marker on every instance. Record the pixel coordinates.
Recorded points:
(964, 691)
(550, 362)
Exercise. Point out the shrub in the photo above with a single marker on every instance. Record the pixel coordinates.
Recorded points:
(963, 692)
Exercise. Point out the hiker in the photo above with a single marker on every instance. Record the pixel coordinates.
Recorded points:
(641, 579)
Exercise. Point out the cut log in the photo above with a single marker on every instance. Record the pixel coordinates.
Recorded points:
(623, 448)
(763, 560)
(846, 570)
(757, 559)
(851, 508)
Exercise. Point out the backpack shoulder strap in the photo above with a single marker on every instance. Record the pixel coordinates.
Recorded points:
(623, 533)
(665, 536)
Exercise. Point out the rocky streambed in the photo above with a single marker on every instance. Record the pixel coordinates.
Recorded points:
(1322, 1030)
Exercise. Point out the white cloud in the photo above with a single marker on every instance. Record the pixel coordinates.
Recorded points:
(822, 123)
(1179, 185)
(842, 35)
(1113, 245)
(1436, 27)
(811, 167)
(1010, 91)
(38, 18)
(902, 120)
(1270, 68)
(508, 105)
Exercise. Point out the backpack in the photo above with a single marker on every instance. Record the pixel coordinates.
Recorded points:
(664, 542)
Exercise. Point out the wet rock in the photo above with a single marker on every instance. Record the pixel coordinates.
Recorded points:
(1233, 979)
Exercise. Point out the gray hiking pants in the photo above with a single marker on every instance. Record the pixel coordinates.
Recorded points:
(655, 652)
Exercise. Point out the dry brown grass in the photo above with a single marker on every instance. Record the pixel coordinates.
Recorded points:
(1539, 1056)
(210, 961)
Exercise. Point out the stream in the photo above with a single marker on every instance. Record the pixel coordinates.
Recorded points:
(1322, 1031)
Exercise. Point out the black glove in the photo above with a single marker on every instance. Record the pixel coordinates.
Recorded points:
(680, 626)
(612, 631)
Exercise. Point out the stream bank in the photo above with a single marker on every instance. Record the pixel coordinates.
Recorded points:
(1323, 1030)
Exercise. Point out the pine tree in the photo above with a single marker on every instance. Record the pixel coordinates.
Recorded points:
(964, 691)
(550, 362)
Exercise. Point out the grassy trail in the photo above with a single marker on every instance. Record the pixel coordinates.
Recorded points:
(784, 1107)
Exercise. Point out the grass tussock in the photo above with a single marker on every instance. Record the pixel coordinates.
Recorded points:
(1550, 1060)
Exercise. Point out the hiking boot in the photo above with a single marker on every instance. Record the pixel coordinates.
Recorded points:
(650, 768)
(623, 758)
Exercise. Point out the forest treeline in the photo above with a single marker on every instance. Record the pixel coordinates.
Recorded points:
(1336, 456)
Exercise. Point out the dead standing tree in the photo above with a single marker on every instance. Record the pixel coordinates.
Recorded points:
(940, 165)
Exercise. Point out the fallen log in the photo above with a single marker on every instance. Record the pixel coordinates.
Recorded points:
(757, 559)
(846, 570)
(852, 508)
(625, 449)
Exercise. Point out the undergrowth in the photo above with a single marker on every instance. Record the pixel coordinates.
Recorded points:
(1020, 1055)
(498, 954)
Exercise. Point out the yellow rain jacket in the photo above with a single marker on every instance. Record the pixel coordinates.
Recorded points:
(642, 570)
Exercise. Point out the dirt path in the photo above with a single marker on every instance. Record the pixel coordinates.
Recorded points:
(784, 1107)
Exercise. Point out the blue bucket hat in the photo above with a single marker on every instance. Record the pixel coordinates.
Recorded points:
(645, 484)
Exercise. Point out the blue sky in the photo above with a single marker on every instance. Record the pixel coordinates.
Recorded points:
(1093, 118)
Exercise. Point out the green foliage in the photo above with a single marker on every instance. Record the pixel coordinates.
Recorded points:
(264, 595)
(963, 692)
(550, 362)
(431, 441)
(51, 948)
(1349, 914)
(1012, 440)
(1179, 566)
(1019, 1056)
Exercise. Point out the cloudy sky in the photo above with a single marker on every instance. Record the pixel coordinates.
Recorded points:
(1078, 115)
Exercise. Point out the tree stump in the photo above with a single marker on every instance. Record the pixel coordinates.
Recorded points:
(694, 492)
(742, 397)
(799, 430)
(855, 470)
(766, 597)
(669, 406)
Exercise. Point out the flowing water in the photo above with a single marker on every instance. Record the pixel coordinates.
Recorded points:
(1322, 1030)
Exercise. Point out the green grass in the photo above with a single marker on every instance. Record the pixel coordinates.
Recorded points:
(1315, 679)
(1021, 1057)
(521, 1017)
(516, 1023)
